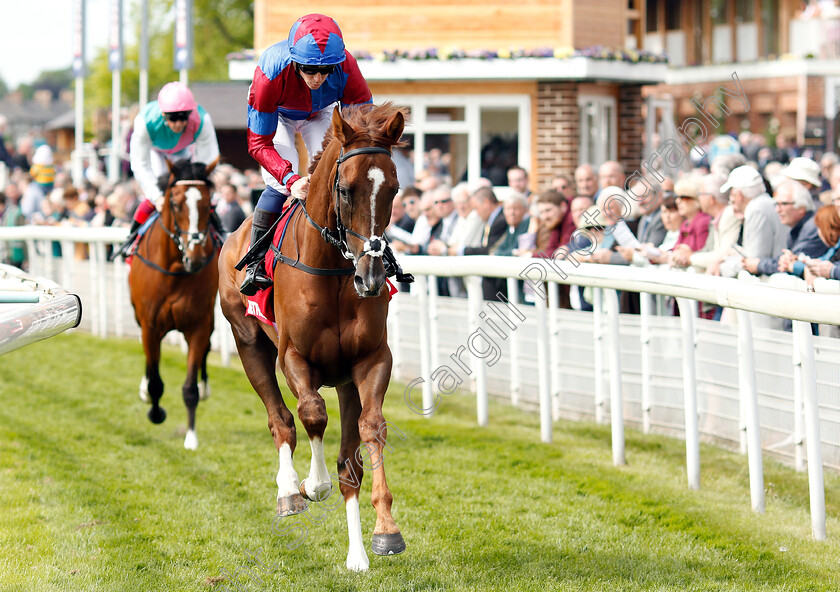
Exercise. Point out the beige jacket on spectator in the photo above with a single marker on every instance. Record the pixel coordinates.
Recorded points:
(721, 237)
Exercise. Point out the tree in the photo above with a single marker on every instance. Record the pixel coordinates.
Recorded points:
(219, 26)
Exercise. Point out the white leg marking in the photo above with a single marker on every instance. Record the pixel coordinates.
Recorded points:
(357, 559)
(318, 485)
(287, 478)
(191, 441)
(144, 390)
(203, 390)
(376, 175)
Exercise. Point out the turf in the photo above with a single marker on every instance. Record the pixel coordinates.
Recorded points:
(95, 497)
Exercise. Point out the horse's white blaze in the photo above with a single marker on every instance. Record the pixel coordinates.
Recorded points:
(376, 175)
(287, 477)
(191, 441)
(144, 389)
(193, 196)
(318, 484)
(357, 559)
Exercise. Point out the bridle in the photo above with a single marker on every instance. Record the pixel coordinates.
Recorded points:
(193, 238)
(374, 246)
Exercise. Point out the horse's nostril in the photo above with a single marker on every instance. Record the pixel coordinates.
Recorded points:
(360, 283)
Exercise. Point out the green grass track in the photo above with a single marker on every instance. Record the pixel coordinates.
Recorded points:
(95, 497)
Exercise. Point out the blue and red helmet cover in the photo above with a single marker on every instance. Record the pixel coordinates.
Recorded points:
(316, 40)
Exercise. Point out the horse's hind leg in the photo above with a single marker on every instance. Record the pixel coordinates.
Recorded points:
(259, 355)
(152, 385)
(312, 412)
(350, 473)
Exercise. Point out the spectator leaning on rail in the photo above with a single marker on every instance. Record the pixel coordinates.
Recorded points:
(827, 221)
(796, 211)
(763, 235)
(296, 84)
(172, 128)
(723, 230)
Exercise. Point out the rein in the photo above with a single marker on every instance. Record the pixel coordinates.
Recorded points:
(374, 246)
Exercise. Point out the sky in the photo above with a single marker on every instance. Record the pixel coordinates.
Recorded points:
(38, 35)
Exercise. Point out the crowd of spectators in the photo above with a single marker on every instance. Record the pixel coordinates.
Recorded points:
(37, 190)
(744, 210)
(719, 218)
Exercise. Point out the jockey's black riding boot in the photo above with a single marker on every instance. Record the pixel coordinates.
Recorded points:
(132, 234)
(255, 275)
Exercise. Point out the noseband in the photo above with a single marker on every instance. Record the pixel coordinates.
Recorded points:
(374, 246)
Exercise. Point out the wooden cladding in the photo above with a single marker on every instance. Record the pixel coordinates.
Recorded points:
(380, 25)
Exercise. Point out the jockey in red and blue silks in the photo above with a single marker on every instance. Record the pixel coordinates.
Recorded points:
(296, 85)
(172, 128)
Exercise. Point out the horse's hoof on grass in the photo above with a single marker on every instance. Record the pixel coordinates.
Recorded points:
(388, 544)
(157, 414)
(191, 440)
(291, 505)
(321, 492)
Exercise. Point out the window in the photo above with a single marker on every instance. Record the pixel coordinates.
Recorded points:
(719, 11)
(744, 11)
(673, 15)
(468, 137)
(598, 142)
(770, 22)
(651, 16)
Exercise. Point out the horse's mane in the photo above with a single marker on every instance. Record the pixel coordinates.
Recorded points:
(184, 170)
(368, 121)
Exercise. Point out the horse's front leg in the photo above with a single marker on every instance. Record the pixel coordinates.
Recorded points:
(198, 342)
(350, 473)
(312, 412)
(151, 386)
(371, 378)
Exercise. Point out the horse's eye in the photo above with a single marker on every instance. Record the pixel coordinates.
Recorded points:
(344, 193)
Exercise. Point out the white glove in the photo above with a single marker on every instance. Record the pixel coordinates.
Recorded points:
(159, 201)
(300, 188)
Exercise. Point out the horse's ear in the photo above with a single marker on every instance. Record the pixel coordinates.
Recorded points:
(212, 166)
(394, 126)
(340, 128)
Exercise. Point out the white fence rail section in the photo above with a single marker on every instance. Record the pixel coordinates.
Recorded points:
(740, 383)
(32, 309)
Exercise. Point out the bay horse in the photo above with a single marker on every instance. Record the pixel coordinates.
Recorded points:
(173, 282)
(331, 310)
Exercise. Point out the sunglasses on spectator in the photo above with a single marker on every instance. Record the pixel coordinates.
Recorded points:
(443, 201)
(177, 116)
(313, 70)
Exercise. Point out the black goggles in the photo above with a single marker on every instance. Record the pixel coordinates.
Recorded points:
(313, 70)
(177, 115)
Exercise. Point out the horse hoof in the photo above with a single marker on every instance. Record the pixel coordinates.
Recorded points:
(203, 391)
(291, 505)
(321, 492)
(388, 544)
(157, 414)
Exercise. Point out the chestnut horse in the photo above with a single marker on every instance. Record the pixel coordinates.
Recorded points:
(173, 282)
(331, 311)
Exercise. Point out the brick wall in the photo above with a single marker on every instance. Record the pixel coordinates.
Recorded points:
(631, 126)
(558, 130)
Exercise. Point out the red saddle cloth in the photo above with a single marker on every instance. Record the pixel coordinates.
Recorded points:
(261, 304)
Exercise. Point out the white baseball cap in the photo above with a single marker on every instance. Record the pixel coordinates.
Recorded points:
(740, 177)
(803, 169)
